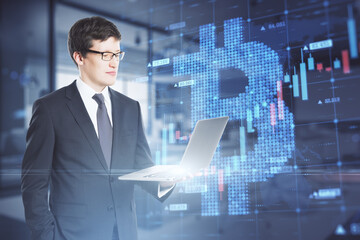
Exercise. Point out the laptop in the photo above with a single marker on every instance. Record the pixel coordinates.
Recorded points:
(198, 154)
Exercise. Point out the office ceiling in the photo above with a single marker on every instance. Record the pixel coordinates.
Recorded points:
(159, 14)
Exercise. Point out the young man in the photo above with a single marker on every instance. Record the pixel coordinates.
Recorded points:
(81, 137)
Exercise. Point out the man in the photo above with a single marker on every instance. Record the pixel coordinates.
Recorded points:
(80, 138)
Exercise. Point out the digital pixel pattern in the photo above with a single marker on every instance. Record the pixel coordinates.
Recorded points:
(260, 108)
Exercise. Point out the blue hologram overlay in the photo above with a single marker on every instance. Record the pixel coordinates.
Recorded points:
(351, 24)
(311, 63)
(275, 144)
(295, 84)
(303, 77)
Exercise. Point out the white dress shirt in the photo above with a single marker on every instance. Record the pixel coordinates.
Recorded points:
(86, 93)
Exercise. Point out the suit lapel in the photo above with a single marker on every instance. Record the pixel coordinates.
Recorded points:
(118, 121)
(82, 117)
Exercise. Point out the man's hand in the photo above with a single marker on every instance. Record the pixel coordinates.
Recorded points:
(168, 184)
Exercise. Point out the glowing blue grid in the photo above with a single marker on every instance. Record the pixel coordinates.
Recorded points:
(275, 143)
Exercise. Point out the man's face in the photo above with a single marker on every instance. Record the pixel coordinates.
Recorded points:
(99, 73)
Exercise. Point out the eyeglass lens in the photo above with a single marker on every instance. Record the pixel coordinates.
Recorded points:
(108, 56)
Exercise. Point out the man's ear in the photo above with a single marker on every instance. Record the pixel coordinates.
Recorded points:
(78, 58)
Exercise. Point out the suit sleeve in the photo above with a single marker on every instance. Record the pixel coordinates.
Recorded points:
(36, 169)
(143, 160)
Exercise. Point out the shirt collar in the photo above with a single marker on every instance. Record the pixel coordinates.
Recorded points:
(86, 91)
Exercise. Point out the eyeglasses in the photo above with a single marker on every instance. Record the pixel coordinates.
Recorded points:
(107, 56)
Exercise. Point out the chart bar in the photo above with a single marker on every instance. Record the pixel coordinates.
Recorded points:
(295, 84)
(351, 25)
(319, 67)
(157, 157)
(221, 180)
(164, 145)
(280, 100)
(242, 143)
(303, 78)
(257, 111)
(249, 120)
(346, 61)
(337, 64)
(311, 65)
(272, 114)
(171, 133)
(177, 135)
(287, 78)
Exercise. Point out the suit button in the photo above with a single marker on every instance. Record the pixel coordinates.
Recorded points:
(112, 179)
(110, 208)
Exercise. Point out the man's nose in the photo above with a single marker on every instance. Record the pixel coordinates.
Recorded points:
(113, 62)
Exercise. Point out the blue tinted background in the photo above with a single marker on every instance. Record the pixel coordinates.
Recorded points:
(286, 72)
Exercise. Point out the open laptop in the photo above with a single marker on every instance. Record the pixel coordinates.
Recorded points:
(198, 154)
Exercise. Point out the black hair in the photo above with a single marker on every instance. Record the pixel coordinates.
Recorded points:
(84, 31)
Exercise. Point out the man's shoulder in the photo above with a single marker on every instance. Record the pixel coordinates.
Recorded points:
(56, 96)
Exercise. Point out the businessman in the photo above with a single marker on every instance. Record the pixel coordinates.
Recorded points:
(80, 138)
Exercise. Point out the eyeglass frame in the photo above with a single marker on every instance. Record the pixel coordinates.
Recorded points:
(121, 53)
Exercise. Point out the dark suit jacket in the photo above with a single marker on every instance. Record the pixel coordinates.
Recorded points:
(63, 155)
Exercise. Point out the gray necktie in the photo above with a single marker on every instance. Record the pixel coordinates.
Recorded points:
(104, 128)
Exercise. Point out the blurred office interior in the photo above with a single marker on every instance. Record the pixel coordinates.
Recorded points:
(311, 193)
